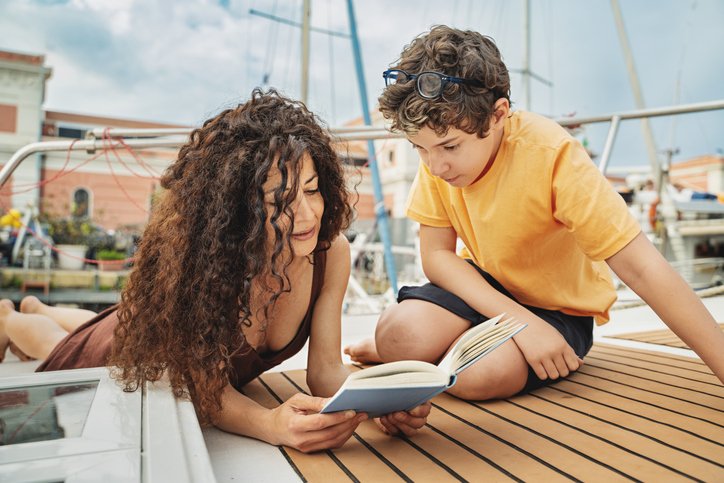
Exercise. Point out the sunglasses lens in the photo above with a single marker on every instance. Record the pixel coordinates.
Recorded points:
(396, 77)
(429, 85)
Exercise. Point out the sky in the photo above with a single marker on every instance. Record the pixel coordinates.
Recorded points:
(183, 61)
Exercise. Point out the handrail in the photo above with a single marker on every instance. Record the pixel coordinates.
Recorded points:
(88, 145)
(344, 133)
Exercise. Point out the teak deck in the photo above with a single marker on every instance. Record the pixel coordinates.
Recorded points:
(661, 337)
(626, 415)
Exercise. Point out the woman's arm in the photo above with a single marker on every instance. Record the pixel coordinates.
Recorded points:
(646, 272)
(325, 371)
(295, 423)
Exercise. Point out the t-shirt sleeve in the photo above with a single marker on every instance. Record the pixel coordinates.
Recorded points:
(586, 203)
(424, 204)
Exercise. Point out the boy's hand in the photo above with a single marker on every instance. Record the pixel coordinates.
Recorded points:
(546, 351)
(406, 422)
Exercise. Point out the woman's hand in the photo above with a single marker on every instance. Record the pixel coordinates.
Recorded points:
(298, 424)
(406, 422)
(546, 351)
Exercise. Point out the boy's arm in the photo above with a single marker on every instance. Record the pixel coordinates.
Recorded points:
(543, 347)
(646, 272)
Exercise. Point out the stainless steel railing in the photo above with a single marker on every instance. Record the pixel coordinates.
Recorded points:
(95, 137)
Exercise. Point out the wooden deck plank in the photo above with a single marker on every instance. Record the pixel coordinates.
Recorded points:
(578, 431)
(628, 438)
(626, 415)
(662, 337)
(480, 444)
(578, 389)
(698, 381)
(660, 383)
(569, 462)
(664, 359)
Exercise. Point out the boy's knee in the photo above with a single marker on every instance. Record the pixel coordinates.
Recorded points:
(481, 384)
(396, 337)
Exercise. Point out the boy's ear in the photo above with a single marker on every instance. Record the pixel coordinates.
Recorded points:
(501, 110)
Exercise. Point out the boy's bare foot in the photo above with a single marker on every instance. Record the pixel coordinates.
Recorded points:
(6, 307)
(363, 352)
(30, 304)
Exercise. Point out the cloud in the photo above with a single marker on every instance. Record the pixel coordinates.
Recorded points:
(183, 61)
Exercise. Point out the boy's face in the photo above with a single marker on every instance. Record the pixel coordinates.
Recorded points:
(457, 157)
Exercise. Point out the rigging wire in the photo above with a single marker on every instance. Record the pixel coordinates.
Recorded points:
(679, 74)
(271, 49)
(550, 33)
(291, 45)
(330, 45)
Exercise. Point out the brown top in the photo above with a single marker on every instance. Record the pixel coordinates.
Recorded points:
(90, 344)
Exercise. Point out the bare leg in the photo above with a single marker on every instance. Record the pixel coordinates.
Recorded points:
(68, 318)
(34, 334)
(415, 329)
(5, 305)
(412, 329)
(500, 374)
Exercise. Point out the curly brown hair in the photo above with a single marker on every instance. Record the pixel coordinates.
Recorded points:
(188, 295)
(453, 52)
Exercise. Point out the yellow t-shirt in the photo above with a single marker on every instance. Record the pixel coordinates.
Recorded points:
(541, 220)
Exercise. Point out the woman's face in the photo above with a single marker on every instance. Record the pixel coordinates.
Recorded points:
(308, 208)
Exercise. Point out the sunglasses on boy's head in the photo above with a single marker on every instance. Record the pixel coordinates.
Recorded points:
(429, 84)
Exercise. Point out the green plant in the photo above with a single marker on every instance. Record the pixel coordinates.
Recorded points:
(110, 255)
(70, 231)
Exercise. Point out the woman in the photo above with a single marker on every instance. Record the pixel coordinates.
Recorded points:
(241, 262)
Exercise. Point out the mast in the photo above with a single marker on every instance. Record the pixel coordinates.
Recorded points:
(306, 16)
(636, 88)
(380, 211)
(526, 55)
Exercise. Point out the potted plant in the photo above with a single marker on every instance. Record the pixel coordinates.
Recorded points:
(109, 259)
(71, 238)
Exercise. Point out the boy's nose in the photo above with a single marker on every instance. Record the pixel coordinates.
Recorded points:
(437, 166)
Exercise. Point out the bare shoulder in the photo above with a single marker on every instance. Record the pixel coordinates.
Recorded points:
(338, 260)
(339, 248)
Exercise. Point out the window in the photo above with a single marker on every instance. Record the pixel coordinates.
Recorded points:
(71, 132)
(8, 118)
(81, 203)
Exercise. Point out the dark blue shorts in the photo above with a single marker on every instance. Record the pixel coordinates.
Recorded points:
(577, 330)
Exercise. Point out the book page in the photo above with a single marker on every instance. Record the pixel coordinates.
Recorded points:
(402, 379)
(487, 346)
(397, 373)
(448, 362)
(478, 345)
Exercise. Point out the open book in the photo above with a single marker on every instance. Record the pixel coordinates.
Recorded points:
(403, 385)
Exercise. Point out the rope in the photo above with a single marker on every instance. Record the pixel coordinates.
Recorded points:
(109, 144)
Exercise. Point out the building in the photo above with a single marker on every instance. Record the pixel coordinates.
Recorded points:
(112, 187)
(703, 173)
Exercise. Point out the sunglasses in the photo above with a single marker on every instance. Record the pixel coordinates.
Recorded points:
(430, 85)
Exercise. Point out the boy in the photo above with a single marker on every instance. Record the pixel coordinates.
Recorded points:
(538, 221)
